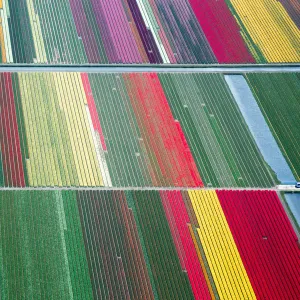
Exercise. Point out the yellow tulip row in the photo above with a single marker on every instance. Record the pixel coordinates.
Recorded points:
(222, 255)
(60, 143)
(271, 29)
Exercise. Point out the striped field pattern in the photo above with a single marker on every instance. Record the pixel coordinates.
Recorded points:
(149, 31)
(278, 97)
(125, 130)
(269, 28)
(149, 185)
(146, 245)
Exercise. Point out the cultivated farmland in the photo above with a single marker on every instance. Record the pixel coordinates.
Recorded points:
(155, 32)
(278, 96)
(146, 244)
(125, 130)
(217, 134)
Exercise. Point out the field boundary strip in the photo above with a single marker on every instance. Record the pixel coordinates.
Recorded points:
(134, 68)
(55, 188)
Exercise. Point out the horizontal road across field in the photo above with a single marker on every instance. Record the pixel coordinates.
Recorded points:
(283, 189)
(131, 68)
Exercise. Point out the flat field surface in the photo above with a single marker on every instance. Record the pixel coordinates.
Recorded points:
(149, 31)
(278, 96)
(93, 244)
(125, 130)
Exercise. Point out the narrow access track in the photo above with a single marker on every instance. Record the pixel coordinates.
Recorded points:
(83, 188)
(142, 68)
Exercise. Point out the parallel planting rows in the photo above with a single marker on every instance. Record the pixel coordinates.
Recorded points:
(271, 34)
(293, 9)
(146, 245)
(149, 31)
(71, 129)
(278, 96)
(217, 134)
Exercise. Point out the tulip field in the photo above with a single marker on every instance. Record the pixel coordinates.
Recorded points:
(149, 149)
(148, 185)
(146, 245)
(125, 130)
(278, 97)
(149, 31)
